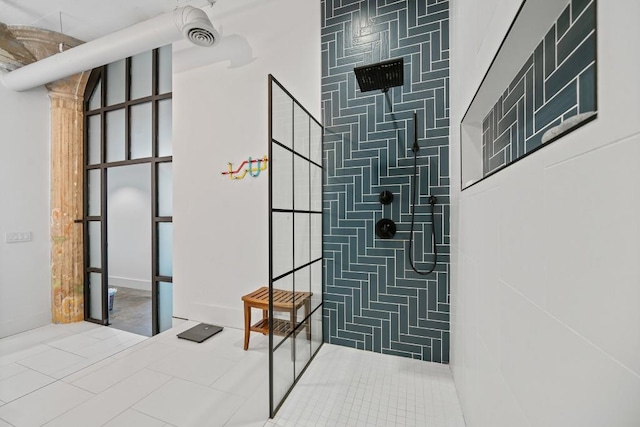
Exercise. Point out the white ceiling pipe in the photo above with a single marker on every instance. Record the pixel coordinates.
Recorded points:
(188, 22)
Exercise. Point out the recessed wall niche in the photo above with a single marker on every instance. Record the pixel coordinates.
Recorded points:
(540, 86)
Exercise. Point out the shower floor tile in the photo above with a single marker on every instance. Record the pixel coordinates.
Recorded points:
(348, 387)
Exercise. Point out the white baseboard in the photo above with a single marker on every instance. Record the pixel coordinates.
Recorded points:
(124, 282)
(218, 315)
(24, 323)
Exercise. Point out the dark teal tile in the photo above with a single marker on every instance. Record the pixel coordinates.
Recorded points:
(386, 334)
(413, 312)
(497, 161)
(436, 351)
(375, 314)
(394, 327)
(426, 354)
(563, 22)
(342, 333)
(352, 327)
(377, 340)
(502, 141)
(445, 347)
(408, 348)
(523, 71)
(429, 333)
(518, 145)
(577, 33)
(550, 51)
(394, 299)
(397, 353)
(440, 16)
(505, 123)
(515, 94)
(538, 76)
(440, 316)
(587, 96)
(577, 6)
(438, 7)
(433, 324)
(562, 102)
(570, 113)
(412, 339)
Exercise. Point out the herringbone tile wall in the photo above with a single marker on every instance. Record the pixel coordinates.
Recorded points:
(373, 301)
(557, 82)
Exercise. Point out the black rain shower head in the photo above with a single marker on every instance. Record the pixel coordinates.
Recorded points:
(383, 75)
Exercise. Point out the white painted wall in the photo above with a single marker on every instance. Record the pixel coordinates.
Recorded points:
(129, 232)
(25, 283)
(545, 254)
(220, 115)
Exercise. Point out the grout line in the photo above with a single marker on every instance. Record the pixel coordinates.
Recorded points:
(593, 150)
(575, 332)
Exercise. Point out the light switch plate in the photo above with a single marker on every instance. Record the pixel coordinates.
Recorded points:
(17, 237)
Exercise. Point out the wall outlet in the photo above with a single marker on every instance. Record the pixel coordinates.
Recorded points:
(17, 237)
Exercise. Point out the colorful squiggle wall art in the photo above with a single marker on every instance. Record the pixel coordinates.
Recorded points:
(253, 168)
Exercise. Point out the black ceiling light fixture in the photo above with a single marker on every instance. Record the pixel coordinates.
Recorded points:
(383, 75)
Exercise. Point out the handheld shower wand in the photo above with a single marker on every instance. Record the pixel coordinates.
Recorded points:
(432, 202)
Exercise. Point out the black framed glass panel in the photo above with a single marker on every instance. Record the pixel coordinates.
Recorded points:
(295, 239)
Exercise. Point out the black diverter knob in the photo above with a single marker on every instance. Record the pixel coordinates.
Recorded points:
(385, 228)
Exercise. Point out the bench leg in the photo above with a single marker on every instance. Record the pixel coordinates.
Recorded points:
(265, 316)
(247, 325)
(307, 310)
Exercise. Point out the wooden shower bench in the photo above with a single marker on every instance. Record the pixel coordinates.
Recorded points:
(283, 301)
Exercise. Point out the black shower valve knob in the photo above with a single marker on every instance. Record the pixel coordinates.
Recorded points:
(386, 197)
(385, 228)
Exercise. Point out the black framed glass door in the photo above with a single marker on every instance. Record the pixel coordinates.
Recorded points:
(128, 121)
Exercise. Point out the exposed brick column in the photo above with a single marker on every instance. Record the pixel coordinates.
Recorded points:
(67, 184)
(66, 206)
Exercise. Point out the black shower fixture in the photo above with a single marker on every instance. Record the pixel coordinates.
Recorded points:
(383, 75)
(385, 228)
(386, 197)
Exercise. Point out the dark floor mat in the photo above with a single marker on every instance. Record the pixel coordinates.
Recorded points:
(200, 333)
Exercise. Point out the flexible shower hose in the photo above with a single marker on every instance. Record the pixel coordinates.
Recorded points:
(432, 202)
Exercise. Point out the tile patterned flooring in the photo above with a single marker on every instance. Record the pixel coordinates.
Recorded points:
(348, 387)
(88, 375)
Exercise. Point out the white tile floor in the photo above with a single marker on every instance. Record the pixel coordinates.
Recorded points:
(87, 375)
(348, 387)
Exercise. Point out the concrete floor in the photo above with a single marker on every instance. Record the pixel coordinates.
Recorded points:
(132, 311)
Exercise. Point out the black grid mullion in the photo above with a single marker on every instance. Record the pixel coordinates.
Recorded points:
(296, 153)
(155, 263)
(293, 203)
(127, 109)
(270, 198)
(155, 321)
(310, 239)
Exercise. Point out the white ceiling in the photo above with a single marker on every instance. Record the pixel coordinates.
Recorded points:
(87, 19)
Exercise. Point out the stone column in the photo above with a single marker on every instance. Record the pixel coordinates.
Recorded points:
(23, 45)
